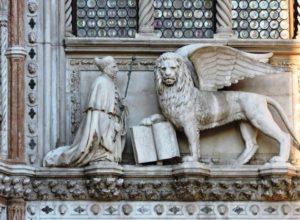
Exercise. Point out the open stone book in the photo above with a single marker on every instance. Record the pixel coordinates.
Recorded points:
(154, 143)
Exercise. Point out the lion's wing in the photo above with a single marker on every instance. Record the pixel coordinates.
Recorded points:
(221, 66)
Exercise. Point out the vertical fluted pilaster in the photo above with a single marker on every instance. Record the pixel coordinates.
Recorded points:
(146, 17)
(68, 18)
(224, 18)
(3, 74)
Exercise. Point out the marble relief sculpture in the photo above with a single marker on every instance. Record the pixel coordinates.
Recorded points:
(101, 134)
(196, 105)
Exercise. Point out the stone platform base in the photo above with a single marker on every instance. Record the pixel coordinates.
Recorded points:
(162, 210)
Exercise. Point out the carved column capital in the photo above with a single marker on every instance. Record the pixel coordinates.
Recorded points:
(16, 209)
(224, 19)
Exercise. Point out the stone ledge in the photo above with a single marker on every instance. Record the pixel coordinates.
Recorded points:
(136, 171)
(156, 46)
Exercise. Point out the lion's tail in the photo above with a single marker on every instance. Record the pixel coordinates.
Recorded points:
(284, 118)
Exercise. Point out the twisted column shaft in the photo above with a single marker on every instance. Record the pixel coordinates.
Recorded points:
(4, 83)
(298, 20)
(68, 18)
(146, 16)
(224, 17)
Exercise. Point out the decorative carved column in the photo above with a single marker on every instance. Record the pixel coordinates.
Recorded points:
(224, 19)
(68, 18)
(16, 54)
(16, 209)
(298, 20)
(146, 18)
(3, 78)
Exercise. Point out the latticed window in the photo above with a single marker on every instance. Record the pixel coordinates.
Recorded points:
(184, 19)
(106, 18)
(261, 19)
(264, 19)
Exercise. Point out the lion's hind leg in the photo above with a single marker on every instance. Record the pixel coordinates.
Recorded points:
(263, 120)
(249, 135)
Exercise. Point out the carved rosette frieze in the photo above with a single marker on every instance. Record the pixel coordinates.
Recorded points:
(224, 17)
(162, 210)
(146, 16)
(4, 79)
(68, 18)
(31, 83)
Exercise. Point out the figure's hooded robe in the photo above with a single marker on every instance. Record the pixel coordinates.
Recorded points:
(100, 135)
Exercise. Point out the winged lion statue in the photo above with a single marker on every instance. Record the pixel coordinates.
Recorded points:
(187, 83)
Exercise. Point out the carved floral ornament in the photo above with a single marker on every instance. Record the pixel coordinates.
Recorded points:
(180, 189)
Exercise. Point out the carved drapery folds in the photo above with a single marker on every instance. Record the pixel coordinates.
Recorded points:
(3, 84)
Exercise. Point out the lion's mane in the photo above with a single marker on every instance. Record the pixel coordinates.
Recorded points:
(173, 99)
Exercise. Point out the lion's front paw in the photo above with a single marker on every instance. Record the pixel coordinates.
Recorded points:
(277, 159)
(190, 159)
(146, 122)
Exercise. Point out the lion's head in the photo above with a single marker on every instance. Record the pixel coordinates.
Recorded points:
(171, 70)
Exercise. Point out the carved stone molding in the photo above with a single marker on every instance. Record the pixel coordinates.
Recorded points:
(31, 85)
(164, 183)
(163, 210)
(106, 188)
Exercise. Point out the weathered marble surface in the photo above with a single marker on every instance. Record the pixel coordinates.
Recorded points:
(183, 182)
(195, 105)
(142, 102)
(101, 134)
(163, 210)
